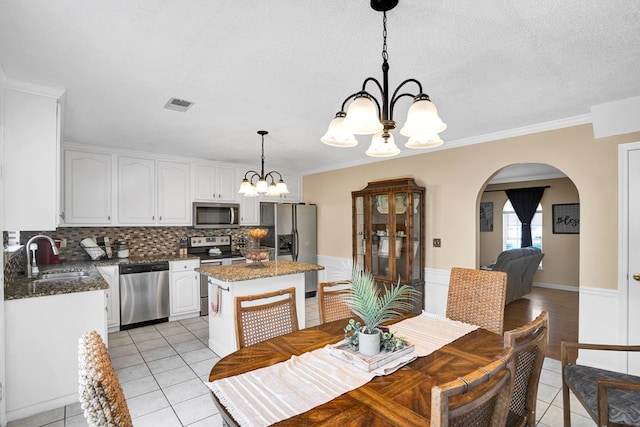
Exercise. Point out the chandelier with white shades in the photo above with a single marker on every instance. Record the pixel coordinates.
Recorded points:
(265, 183)
(369, 116)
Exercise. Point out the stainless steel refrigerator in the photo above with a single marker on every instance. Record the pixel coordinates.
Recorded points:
(293, 234)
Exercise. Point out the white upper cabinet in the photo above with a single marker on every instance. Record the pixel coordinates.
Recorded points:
(153, 195)
(249, 210)
(136, 190)
(30, 158)
(87, 188)
(174, 197)
(215, 183)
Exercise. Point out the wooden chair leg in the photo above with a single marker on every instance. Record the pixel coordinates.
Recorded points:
(566, 408)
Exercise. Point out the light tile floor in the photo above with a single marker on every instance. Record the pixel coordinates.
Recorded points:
(162, 369)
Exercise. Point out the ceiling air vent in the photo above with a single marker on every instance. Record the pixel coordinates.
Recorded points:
(178, 105)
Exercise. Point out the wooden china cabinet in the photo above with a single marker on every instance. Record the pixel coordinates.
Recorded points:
(388, 232)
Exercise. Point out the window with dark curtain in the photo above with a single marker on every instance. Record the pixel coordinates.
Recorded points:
(525, 202)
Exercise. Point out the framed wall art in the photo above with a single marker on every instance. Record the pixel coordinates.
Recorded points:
(566, 218)
(486, 216)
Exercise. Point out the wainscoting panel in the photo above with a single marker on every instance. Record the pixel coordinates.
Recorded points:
(598, 324)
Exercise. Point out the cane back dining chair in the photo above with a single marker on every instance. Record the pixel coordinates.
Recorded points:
(477, 297)
(611, 398)
(264, 316)
(480, 398)
(101, 396)
(530, 345)
(331, 301)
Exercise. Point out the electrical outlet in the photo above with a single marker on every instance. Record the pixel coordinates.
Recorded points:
(63, 243)
(437, 243)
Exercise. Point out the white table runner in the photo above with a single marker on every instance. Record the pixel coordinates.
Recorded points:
(267, 395)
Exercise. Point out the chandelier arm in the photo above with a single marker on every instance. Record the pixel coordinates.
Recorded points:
(393, 98)
(270, 175)
(254, 174)
(350, 97)
(375, 81)
(396, 98)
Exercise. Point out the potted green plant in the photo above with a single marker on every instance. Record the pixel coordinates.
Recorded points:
(373, 308)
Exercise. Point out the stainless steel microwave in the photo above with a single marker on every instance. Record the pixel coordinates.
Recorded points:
(216, 215)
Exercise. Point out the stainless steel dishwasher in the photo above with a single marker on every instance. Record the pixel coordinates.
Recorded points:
(144, 294)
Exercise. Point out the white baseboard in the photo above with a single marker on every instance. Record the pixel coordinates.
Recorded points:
(557, 287)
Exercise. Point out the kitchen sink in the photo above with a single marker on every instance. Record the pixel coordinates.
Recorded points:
(64, 275)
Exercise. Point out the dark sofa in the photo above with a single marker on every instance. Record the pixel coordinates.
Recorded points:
(520, 265)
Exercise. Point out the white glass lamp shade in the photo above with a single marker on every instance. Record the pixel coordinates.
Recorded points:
(422, 119)
(362, 117)
(424, 141)
(337, 135)
(245, 187)
(252, 192)
(281, 187)
(262, 186)
(271, 191)
(379, 148)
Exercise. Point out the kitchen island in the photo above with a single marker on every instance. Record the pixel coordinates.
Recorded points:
(229, 281)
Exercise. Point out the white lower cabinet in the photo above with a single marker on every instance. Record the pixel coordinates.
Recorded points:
(111, 275)
(184, 289)
(42, 349)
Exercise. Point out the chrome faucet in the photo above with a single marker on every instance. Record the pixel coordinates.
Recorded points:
(31, 246)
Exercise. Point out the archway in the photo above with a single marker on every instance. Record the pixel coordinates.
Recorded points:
(556, 284)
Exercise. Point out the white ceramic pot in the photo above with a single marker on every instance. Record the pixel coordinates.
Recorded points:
(369, 344)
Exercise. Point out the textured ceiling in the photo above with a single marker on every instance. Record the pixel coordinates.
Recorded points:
(287, 65)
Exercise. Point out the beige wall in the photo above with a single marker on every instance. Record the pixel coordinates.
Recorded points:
(562, 251)
(455, 179)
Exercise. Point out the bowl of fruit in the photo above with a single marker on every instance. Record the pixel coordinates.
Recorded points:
(257, 255)
(257, 233)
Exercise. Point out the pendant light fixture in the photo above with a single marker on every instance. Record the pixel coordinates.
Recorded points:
(265, 183)
(367, 115)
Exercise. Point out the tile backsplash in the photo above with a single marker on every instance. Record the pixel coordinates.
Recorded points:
(142, 241)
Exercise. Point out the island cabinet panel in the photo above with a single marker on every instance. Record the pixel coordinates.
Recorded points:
(222, 329)
(389, 232)
(42, 341)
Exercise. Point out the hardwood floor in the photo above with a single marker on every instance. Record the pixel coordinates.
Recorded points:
(562, 307)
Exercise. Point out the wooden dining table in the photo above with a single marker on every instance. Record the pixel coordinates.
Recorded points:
(402, 398)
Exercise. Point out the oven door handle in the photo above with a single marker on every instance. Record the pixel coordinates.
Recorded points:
(233, 216)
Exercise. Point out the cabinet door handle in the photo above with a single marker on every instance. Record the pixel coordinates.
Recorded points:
(62, 215)
(153, 217)
(160, 217)
(636, 276)
(109, 217)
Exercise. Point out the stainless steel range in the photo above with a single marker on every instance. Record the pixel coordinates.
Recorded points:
(212, 250)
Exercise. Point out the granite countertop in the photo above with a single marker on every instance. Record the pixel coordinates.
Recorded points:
(240, 272)
(23, 287)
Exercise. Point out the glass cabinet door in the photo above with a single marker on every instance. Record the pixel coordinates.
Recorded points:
(416, 244)
(400, 227)
(379, 232)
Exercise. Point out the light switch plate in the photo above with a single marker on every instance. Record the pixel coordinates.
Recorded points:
(437, 243)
